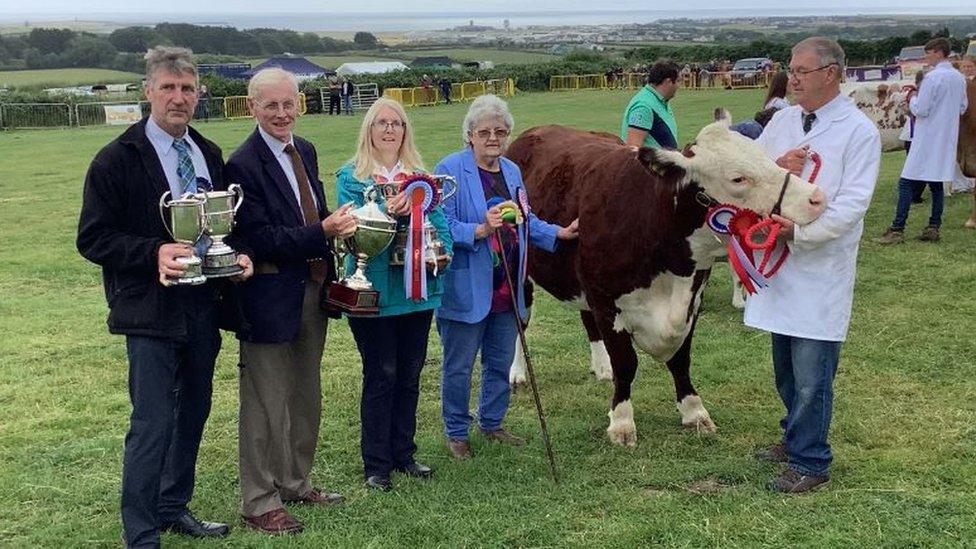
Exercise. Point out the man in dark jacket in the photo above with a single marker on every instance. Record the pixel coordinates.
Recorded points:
(286, 222)
(172, 335)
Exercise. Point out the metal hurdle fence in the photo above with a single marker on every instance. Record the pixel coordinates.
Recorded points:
(695, 81)
(235, 106)
(35, 115)
(463, 91)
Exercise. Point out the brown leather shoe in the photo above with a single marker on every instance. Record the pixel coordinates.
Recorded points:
(503, 436)
(930, 234)
(275, 522)
(891, 236)
(317, 497)
(775, 453)
(791, 482)
(460, 449)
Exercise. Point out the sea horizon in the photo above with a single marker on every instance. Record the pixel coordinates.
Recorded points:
(424, 21)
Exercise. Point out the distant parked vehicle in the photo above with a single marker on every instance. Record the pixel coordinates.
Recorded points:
(911, 59)
(749, 72)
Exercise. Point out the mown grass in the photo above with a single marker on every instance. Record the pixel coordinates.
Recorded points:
(903, 433)
(67, 77)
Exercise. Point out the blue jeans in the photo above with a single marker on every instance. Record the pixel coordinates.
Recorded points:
(905, 188)
(495, 337)
(347, 104)
(805, 370)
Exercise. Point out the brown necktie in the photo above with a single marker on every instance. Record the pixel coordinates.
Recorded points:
(317, 268)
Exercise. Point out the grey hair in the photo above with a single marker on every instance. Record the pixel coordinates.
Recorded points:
(269, 77)
(171, 59)
(486, 106)
(829, 51)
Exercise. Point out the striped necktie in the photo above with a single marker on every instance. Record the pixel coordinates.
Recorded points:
(184, 166)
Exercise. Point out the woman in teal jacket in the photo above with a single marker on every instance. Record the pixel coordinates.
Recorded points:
(393, 345)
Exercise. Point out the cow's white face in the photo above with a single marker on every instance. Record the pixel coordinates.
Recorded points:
(735, 170)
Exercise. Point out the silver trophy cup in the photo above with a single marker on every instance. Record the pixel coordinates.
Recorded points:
(219, 210)
(374, 232)
(446, 187)
(187, 220)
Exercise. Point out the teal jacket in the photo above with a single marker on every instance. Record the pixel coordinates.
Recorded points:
(386, 279)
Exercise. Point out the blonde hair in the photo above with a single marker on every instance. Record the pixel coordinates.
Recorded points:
(364, 161)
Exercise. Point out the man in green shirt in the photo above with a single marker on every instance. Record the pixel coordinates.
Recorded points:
(648, 120)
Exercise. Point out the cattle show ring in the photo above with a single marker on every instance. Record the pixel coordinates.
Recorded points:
(903, 431)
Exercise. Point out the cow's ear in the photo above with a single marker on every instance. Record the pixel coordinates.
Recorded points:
(722, 116)
(668, 164)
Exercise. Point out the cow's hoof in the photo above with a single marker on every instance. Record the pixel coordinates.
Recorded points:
(622, 430)
(695, 416)
(971, 223)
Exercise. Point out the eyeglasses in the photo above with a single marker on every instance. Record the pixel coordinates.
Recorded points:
(797, 73)
(287, 106)
(394, 125)
(500, 133)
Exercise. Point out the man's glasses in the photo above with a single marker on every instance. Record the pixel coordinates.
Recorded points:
(384, 125)
(797, 73)
(273, 107)
(500, 133)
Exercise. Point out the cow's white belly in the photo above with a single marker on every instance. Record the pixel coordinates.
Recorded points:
(657, 317)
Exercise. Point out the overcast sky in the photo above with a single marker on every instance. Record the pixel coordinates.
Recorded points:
(93, 7)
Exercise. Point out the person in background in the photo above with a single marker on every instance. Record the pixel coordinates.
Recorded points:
(335, 95)
(477, 311)
(393, 344)
(648, 120)
(346, 90)
(445, 86)
(940, 101)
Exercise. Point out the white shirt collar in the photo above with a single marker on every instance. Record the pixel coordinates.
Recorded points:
(277, 146)
(162, 141)
(832, 109)
(391, 173)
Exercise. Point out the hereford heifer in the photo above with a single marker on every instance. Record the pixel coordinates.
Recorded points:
(967, 145)
(884, 104)
(639, 268)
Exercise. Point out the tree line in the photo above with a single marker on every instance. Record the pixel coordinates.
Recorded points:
(47, 48)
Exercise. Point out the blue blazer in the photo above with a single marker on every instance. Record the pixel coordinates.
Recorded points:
(270, 222)
(468, 282)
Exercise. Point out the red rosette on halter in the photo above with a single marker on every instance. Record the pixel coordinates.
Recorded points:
(422, 195)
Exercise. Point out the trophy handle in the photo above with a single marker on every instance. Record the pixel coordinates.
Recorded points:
(444, 180)
(239, 193)
(162, 214)
(371, 192)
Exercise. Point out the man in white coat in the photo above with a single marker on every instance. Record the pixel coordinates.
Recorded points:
(807, 307)
(940, 101)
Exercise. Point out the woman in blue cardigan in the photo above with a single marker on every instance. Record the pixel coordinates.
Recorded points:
(477, 311)
(393, 345)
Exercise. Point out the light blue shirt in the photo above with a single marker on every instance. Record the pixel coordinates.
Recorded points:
(169, 158)
(278, 150)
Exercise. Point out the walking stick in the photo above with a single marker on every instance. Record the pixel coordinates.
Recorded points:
(528, 363)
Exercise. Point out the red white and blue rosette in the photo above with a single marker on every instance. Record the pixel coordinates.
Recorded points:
(422, 196)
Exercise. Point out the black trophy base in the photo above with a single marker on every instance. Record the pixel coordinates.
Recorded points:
(222, 272)
(353, 302)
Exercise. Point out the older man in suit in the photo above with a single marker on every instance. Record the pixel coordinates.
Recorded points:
(171, 330)
(286, 222)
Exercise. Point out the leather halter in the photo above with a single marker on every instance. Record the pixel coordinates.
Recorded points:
(782, 192)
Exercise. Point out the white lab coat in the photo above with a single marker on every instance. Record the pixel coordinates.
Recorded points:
(811, 295)
(940, 102)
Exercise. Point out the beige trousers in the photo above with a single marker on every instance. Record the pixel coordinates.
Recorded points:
(281, 404)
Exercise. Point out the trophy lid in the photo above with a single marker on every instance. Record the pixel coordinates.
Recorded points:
(370, 215)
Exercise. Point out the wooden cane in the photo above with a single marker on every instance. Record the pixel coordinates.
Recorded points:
(528, 363)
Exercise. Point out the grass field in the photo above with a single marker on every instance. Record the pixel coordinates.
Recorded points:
(905, 445)
(67, 77)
